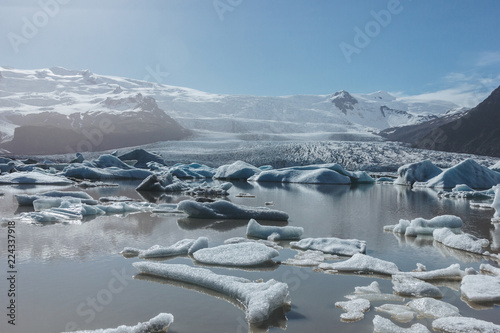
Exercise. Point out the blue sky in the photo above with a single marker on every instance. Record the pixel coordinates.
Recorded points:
(443, 49)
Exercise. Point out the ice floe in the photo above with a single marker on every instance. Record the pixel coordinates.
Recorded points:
(236, 170)
(259, 299)
(373, 294)
(332, 245)
(204, 190)
(453, 272)
(464, 325)
(227, 210)
(398, 312)
(481, 288)
(496, 205)
(421, 226)
(240, 254)
(193, 171)
(490, 269)
(309, 258)
(142, 158)
(236, 240)
(433, 308)
(27, 200)
(468, 172)
(182, 247)
(254, 229)
(33, 178)
(384, 325)
(162, 183)
(463, 241)
(463, 191)
(354, 309)
(406, 285)
(81, 171)
(160, 323)
(363, 264)
(416, 172)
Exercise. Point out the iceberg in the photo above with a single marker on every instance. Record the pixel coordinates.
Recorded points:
(162, 183)
(259, 299)
(160, 323)
(254, 229)
(465, 192)
(226, 210)
(81, 171)
(411, 173)
(421, 226)
(206, 190)
(354, 309)
(468, 172)
(236, 170)
(406, 285)
(240, 254)
(142, 157)
(290, 175)
(332, 245)
(363, 264)
(193, 171)
(309, 258)
(464, 325)
(33, 178)
(182, 247)
(108, 161)
(464, 241)
(481, 288)
(433, 308)
(27, 200)
(384, 325)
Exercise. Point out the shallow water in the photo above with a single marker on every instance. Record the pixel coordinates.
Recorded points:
(71, 276)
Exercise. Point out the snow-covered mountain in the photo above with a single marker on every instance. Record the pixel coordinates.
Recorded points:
(81, 101)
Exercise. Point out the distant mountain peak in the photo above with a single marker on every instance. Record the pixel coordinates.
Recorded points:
(344, 101)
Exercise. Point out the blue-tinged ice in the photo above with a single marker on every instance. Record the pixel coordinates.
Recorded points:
(254, 229)
(35, 177)
(193, 170)
(227, 210)
(27, 200)
(409, 174)
(237, 170)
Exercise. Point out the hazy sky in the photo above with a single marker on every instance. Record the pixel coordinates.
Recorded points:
(264, 47)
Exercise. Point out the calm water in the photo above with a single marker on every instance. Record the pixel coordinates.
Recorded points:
(70, 276)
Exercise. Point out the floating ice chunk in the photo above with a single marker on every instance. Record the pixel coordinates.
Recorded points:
(384, 325)
(354, 309)
(309, 258)
(362, 263)
(464, 241)
(47, 203)
(142, 157)
(421, 226)
(33, 177)
(193, 170)
(398, 312)
(160, 323)
(433, 308)
(295, 175)
(464, 325)
(373, 294)
(227, 210)
(81, 171)
(241, 254)
(490, 269)
(496, 167)
(416, 172)
(181, 247)
(496, 205)
(260, 299)
(481, 288)
(162, 183)
(452, 272)
(269, 243)
(254, 229)
(108, 161)
(406, 285)
(206, 190)
(468, 172)
(130, 251)
(332, 245)
(237, 170)
(27, 200)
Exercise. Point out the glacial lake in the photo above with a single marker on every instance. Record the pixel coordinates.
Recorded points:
(71, 276)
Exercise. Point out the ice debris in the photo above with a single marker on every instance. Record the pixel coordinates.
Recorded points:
(464, 325)
(453, 272)
(433, 308)
(309, 258)
(416, 172)
(363, 264)
(406, 285)
(162, 183)
(384, 325)
(227, 210)
(421, 226)
(193, 171)
(373, 294)
(33, 177)
(463, 241)
(182, 247)
(487, 268)
(27, 200)
(259, 299)
(397, 312)
(241, 254)
(354, 309)
(332, 245)
(254, 229)
(236, 170)
(236, 240)
(496, 205)
(160, 323)
(481, 288)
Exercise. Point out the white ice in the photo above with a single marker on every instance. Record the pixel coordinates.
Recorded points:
(465, 192)
(398, 312)
(463, 241)
(160, 323)
(421, 226)
(236, 240)
(193, 170)
(453, 272)
(362, 263)
(373, 294)
(481, 288)
(240, 254)
(206, 190)
(331, 245)
(81, 171)
(468, 172)
(354, 309)
(384, 325)
(227, 210)
(182, 247)
(33, 177)
(409, 174)
(309, 258)
(464, 325)
(236, 170)
(162, 183)
(27, 200)
(496, 204)
(406, 285)
(254, 229)
(433, 308)
(260, 299)
(490, 269)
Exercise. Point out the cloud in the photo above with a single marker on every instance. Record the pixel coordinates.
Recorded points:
(488, 58)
